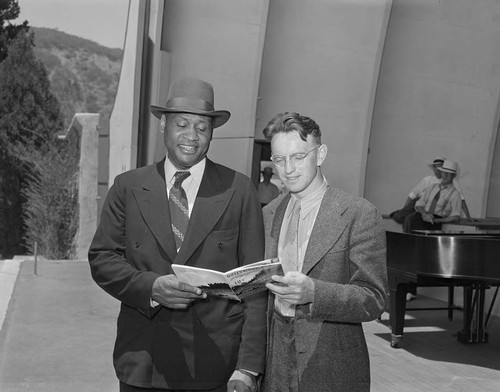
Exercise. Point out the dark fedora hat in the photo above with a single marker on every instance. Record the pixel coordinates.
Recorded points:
(191, 95)
(438, 161)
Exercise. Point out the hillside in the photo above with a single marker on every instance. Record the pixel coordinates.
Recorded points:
(83, 74)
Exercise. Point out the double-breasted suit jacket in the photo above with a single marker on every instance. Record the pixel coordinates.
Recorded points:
(134, 244)
(346, 259)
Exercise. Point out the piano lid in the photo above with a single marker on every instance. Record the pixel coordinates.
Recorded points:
(432, 253)
(481, 223)
(476, 233)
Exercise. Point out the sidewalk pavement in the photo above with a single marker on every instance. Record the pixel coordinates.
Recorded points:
(58, 331)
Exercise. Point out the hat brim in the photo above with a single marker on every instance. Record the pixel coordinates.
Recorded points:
(220, 116)
(447, 170)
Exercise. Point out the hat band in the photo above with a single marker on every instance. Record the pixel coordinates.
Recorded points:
(189, 103)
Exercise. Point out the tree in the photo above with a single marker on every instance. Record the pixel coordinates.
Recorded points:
(9, 10)
(29, 116)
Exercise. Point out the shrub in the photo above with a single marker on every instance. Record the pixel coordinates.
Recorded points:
(50, 213)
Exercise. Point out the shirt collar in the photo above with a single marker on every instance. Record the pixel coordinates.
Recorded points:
(310, 201)
(196, 170)
(441, 186)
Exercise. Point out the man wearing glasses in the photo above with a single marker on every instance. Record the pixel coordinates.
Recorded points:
(332, 246)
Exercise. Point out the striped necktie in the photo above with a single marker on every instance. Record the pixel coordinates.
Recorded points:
(291, 247)
(290, 256)
(434, 201)
(178, 204)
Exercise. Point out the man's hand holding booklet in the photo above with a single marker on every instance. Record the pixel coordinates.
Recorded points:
(234, 284)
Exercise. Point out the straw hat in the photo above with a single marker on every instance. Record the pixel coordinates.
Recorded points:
(449, 167)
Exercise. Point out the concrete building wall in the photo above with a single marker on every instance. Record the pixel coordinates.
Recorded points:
(493, 202)
(392, 84)
(322, 59)
(219, 41)
(438, 95)
(87, 126)
(389, 95)
(124, 119)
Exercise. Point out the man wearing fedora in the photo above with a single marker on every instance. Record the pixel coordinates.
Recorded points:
(440, 203)
(189, 210)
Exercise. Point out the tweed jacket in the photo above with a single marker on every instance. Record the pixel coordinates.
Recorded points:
(346, 258)
(200, 347)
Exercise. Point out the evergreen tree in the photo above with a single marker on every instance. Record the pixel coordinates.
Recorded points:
(9, 10)
(29, 116)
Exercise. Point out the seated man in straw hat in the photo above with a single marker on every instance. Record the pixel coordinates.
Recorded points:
(185, 209)
(418, 191)
(440, 203)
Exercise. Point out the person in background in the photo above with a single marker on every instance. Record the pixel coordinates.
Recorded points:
(418, 191)
(266, 189)
(440, 203)
(332, 246)
(185, 209)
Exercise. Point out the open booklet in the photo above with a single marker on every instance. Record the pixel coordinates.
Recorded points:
(234, 284)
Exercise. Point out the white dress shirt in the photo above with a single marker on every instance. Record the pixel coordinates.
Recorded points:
(308, 211)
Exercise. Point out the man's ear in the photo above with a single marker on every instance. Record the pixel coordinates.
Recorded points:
(163, 122)
(322, 152)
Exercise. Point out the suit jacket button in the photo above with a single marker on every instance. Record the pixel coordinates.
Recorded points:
(220, 245)
(136, 245)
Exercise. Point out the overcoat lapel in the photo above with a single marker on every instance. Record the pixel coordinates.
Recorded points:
(153, 205)
(327, 229)
(212, 200)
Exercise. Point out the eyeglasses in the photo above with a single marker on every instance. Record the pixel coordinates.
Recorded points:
(297, 159)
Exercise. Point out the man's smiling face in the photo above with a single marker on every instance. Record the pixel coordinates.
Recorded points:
(187, 138)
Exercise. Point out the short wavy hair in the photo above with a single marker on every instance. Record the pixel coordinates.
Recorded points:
(290, 121)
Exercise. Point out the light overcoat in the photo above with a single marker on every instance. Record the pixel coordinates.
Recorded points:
(346, 258)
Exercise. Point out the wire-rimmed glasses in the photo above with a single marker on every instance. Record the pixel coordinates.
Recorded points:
(297, 158)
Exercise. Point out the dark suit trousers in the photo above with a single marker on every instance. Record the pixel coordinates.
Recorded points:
(414, 221)
(129, 388)
(281, 367)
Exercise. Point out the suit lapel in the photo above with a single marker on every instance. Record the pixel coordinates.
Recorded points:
(327, 229)
(211, 202)
(153, 204)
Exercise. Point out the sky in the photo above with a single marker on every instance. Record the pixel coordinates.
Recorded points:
(102, 21)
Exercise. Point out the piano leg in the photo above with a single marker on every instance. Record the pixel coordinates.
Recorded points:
(473, 330)
(451, 301)
(482, 336)
(397, 312)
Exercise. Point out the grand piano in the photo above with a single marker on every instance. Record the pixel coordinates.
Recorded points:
(445, 258)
